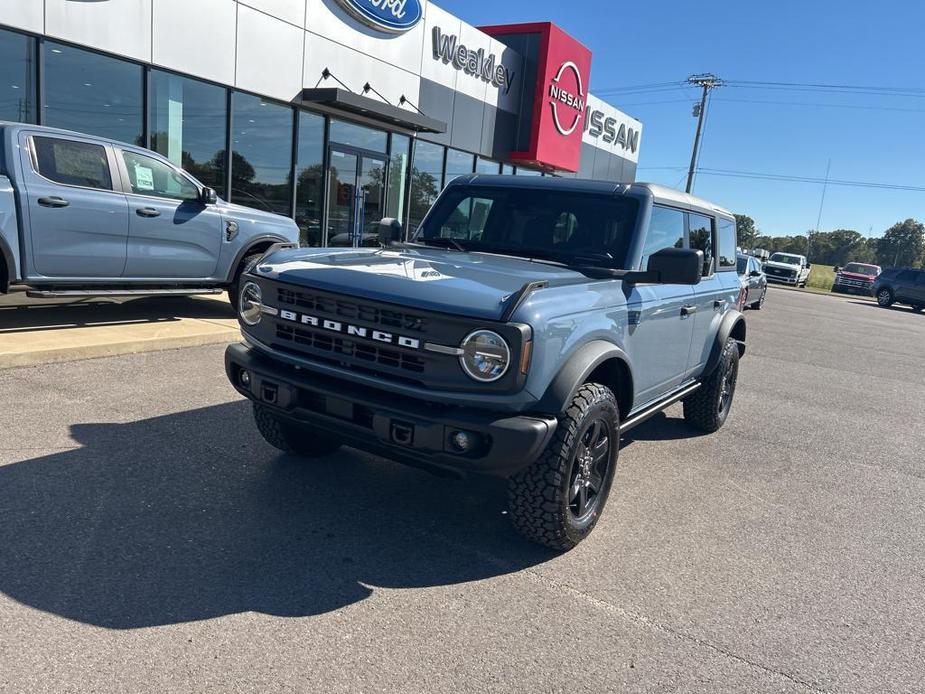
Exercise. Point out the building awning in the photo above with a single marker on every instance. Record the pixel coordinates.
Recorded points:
(342, 100)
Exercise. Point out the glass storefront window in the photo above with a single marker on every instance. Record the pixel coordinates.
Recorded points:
(521, 171)
(92, 93)
(487, 166)
(507, 169)
(458, 164)
(398, 177)
(353, 135)
(426, 181)
(310, 178)
(187, 120)
(17, 77)
(261, 159)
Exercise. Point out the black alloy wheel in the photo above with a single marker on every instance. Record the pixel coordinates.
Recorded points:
(590, 465)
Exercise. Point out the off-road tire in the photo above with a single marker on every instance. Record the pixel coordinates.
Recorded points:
(538, 497)
(885, 298)
(707, 409)
(234, 289)
(289, 437)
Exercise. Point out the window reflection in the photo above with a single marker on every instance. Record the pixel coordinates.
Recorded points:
(92, 93)
(354, 135)
(487, 166)
(187, 119)
(261, 156)
(458, 164)
(17, 77)
(398, 177)
(426, 180)
(310, 178)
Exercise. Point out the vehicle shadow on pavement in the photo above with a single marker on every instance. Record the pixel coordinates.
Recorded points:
(191, 516)
(21, 315)
(661, 427)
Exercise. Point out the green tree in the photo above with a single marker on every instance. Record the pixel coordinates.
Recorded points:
(903, 245)
(746, 231)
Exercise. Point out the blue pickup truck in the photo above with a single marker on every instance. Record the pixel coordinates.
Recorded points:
(528, 324)
(82, 215)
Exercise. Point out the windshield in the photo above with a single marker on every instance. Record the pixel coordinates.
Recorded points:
(576, 228)
(786, 258)
(869, 270)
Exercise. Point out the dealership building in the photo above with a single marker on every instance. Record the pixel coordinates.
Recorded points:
(334, 112)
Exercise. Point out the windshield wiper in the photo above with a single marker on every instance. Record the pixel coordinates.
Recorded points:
(443, 242)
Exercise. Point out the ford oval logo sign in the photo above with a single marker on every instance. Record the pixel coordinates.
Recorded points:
(391, 16)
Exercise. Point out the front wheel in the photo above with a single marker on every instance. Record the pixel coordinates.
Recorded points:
(290, 437)
(559, 498)
(885, 298)
(234, 289)
(708, 407)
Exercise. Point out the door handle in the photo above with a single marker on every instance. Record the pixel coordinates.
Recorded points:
(147, 212)
(53, 201)
(688, 310)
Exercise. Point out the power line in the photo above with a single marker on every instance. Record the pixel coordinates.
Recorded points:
(732, 173)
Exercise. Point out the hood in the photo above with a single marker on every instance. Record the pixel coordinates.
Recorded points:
(478, 285)
(782, 266)
(857, 276)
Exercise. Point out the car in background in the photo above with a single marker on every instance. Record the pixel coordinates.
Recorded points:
(754, 282)
(855, 278)
(787, 268)
(900, 286)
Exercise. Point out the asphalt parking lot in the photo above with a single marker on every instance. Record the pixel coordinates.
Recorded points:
(150, 541)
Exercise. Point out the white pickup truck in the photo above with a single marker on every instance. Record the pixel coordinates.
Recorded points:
(786, 268)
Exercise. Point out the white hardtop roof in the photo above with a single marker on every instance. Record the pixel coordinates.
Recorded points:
(671, 196)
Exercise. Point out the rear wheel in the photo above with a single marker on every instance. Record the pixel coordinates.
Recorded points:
(234, 289)
(289, 437)
(885, 297)
(559, 498)
(708, 407)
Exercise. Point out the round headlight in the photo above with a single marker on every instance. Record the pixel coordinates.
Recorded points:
(486, 356)
(250, 306)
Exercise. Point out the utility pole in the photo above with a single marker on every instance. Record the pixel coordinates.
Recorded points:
(809, 236)
(707, 82)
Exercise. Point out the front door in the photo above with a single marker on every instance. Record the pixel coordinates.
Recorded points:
(78, 215)
(356, 197)
(172, 235)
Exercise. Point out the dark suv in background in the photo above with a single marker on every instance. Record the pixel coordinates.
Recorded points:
(901, 286)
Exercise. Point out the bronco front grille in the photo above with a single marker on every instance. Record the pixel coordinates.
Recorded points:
(351, 310)
(370, 353)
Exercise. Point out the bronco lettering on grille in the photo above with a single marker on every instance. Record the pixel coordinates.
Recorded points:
(351, 330)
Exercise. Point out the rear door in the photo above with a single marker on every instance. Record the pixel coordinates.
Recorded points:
(659, 332)
(919, 289)
(78, 216)
(172, 235)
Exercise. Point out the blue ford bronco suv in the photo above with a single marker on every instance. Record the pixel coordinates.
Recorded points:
(526, 326)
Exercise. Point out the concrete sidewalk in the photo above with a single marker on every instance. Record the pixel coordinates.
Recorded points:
(42, 331)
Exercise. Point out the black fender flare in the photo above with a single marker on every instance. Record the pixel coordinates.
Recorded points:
(270, 239)
(8, 270)
(732, 325)
(574, 374)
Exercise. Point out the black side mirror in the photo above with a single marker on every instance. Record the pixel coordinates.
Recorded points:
(672, 266)
(389, 231)
(755, 273)
(208, 196)
(836, 268)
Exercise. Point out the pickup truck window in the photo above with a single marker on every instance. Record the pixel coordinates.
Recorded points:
(149, 176)
(567, 227)
(666, 230)
(727, 244)
(72, 163)
(701, 238)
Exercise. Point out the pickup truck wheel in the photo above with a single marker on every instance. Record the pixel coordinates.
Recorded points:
(289, 437)
(559, 498)
(234, 289)
(709, 406)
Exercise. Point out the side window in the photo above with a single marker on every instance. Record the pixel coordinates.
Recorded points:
(701, 235)
(150, 176)
(468, 220)
(921, 279)
(72, 163)
(906, 276)
(727, 244)
(666, 230)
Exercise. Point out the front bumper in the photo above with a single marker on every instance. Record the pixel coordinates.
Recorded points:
(853, 287)
(407, 430)
(781, 280)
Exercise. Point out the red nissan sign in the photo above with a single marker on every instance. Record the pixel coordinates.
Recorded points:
(560, 96)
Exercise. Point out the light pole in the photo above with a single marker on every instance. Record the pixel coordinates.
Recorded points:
(707, 82)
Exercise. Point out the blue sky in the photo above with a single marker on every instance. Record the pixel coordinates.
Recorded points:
(869, 137)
